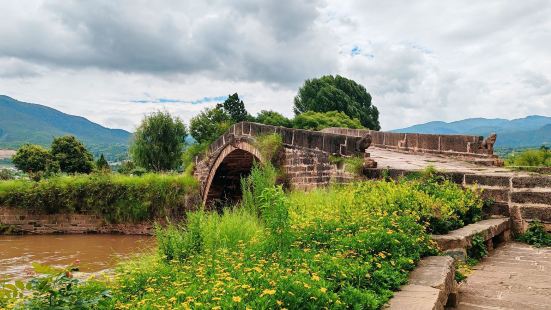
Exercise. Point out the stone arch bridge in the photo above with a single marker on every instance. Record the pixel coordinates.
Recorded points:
(305, 162)
(304, 158)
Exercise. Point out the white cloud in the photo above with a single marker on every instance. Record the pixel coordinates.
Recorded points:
(421, 61)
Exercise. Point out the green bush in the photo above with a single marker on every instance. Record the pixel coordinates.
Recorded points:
(118, 198)
(530, 158)
(252, 187)
(536, 235)
(269, 145)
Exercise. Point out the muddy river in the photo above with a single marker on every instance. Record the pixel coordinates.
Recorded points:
(93, 252)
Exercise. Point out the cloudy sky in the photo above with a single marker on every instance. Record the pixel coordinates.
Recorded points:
(114, 61)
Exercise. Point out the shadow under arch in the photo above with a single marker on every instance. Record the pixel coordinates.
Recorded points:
(223, 184)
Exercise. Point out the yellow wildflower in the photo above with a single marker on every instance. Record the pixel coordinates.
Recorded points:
(323, 290)
(236, 299)
(268, 292)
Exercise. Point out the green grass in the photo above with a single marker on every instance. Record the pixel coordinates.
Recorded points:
(341, 247)
(118, 198)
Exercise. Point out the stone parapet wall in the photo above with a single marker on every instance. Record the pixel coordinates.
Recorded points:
(15, 220)
(465, 146)
(332, 143)
(523, 198)
(308, 169)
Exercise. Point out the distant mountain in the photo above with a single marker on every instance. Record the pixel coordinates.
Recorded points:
(531, 131)
(22, 122)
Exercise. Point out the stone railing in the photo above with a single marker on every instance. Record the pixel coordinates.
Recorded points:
(454, 145)
(332, 143)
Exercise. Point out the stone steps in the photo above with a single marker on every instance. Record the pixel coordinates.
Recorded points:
(431, 286)
(456, 242)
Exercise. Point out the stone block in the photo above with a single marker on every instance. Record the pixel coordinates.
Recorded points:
(487, 180)
(415, 297)
(499, 195)
(532, 181)
(535, 212)
(461, 238)
(540, 197)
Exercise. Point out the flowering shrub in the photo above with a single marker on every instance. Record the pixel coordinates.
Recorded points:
(348, 246)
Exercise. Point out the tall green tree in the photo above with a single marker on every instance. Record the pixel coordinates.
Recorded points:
(208, 125)
(102, 164)
(32, 158)
(337, 93)
(72, 155)
(235, 108)
(317, 120)
(158, 142)
(272, 118)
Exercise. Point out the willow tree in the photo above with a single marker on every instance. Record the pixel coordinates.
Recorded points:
(158, 142)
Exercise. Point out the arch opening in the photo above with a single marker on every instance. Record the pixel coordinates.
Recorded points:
(225, 187)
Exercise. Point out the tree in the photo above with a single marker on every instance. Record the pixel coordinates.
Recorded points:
(318, 120)
(158, 142)
(235, 108)
(208, 125)
(32, 158)
(273, 118)
(72, 155)
(102, 164)
(337, 93)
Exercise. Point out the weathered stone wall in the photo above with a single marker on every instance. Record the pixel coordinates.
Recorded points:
(464, 146)
(15, 220)
(307, 169)
(523, 198)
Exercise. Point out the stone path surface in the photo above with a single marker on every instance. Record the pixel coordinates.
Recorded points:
(514, 276)
(409, 161)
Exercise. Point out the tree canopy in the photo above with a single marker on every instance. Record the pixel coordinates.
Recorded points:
(32, 158)
(102, 164)
(337, 93)
(317, 120)
(235, 108)
(72, 155)
(273, 118)
(158, 142)
(208, 125)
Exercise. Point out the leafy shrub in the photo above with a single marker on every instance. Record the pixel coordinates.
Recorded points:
(118, 198)
(53, 288)
(353, 164)
(530, 158)
(536, 235)
(478, 249)
(252, 187)
(269, 145)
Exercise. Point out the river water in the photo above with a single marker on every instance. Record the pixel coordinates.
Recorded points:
(94, 252)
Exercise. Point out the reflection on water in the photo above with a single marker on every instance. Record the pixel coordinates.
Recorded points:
(95, 252)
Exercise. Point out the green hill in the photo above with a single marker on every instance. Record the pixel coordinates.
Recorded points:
(22, 122)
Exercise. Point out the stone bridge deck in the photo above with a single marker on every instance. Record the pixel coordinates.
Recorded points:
(514, 276)
(387, 158)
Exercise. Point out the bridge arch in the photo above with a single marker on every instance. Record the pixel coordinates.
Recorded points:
(233, 162)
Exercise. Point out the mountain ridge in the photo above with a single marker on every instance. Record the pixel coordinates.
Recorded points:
(42, 124)
(529, 131)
